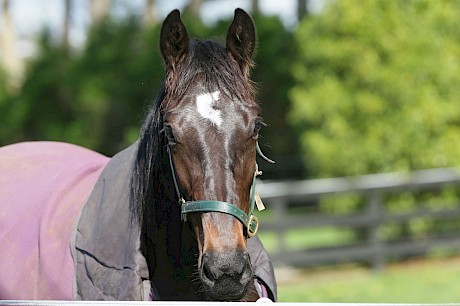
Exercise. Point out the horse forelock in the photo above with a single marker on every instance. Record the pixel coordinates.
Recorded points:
(209, 64)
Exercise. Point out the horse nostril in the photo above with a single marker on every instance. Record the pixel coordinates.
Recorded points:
(246, 257)
(220, 269)
(226, 275)
(207, 275)
(246, 275)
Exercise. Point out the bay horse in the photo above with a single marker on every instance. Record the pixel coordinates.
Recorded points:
(169, 218)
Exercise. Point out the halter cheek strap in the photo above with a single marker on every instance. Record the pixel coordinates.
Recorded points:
(250, 221)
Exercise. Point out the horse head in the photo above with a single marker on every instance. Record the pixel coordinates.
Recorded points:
(211, 123)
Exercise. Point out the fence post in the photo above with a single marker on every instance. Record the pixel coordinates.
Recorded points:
(375, 209)
(280, 212)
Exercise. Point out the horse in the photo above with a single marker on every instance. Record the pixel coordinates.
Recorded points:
(171, 217)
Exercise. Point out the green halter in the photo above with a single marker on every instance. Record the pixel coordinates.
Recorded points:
(250, 221)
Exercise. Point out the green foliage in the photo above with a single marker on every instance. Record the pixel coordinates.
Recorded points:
(275, 52)
(378, 87)
(377, 91)
(5, 129)
(118, 76)
(97, 96)
(45, 102)
(94, 98)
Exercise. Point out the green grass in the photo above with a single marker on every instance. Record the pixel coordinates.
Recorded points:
(298, 239)
(421, 281)
(435, 280)
(307, 238)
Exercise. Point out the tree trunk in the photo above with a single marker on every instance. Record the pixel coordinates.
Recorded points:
(301, 9)
(193, 8)
(100, 9)
(255, 6)
(10, 60)
(66, 26)
(149, 16)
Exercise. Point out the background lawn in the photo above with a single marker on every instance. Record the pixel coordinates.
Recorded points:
(414, 281)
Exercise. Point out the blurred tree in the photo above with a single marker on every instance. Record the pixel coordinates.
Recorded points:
(120, 72)
(378, 87)
(377, 91)
(7, 128)
(96, 97)
(255, 9)
(302, 9)
(99, 10)
(275, 53)
(44, 105)
(193, 7)
(10, 60)
(66, 23)
(149, 16)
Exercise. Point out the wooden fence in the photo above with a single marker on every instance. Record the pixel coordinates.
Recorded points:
(373, 190)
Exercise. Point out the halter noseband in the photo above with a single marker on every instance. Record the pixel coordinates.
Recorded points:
(250, 221)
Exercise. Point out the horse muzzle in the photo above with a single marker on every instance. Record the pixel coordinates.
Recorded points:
(226, 276)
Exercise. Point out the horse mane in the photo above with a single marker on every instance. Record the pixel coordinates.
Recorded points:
(147, 159)
(209, 61)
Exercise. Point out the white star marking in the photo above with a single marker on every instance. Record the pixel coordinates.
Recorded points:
(204, 104)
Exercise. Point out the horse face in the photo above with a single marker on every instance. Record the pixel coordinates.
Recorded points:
(211, 125)
(216, 161)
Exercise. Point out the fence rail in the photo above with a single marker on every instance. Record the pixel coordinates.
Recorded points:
(373, 189)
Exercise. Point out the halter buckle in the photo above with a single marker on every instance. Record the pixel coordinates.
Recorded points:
(253, 222)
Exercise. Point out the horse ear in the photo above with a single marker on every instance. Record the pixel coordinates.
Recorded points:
(241, 40)
(174, 41)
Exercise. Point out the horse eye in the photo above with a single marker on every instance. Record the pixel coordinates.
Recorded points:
(167, 130)
(257, 126)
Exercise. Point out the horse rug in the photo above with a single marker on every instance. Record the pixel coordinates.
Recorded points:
(64, 216)
(43, 186)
